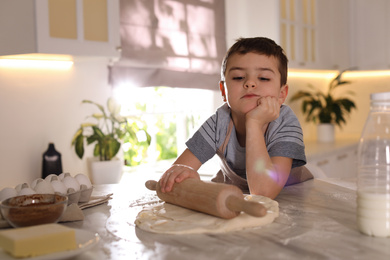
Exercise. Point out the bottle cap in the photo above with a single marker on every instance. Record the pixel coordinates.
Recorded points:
(381, 96)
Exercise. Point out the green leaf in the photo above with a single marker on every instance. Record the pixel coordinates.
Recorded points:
(148, 137)
(84, 125)
(98, 132)
(101, 108)
(79, 146)
(96, 151)
(76, 135)
(114, 148)
(299, 95)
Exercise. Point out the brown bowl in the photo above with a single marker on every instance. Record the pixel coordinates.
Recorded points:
(36, 209)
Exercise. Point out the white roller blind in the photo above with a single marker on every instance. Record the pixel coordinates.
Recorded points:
(176, 43)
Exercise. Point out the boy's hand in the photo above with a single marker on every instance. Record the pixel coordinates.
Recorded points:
(267, 110)
(177, 173)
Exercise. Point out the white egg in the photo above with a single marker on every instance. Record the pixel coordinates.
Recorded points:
(70, 191)
(21, 186)
(63, 175)
(83, 179)
(71, 182)
(26, 191)
(58, 186)
(44, 187)
(7, 193)
(51, 177)
(35, 182)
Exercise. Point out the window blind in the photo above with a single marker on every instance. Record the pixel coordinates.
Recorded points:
(176, 43)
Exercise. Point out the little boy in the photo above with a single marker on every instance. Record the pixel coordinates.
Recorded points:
(258, 139)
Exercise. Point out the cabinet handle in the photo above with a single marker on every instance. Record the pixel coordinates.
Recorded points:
(321, 163)
(340, 157)
(118, 48)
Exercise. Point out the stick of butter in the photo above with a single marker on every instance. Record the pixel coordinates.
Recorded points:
(37, 240)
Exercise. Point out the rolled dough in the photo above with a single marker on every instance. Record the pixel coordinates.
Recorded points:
(167, 218)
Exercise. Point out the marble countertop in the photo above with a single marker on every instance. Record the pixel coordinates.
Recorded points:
(317, 221)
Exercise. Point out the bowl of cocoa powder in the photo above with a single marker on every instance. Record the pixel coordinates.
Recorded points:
(36, 209)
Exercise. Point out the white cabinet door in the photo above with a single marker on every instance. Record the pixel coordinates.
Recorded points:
(306, 29)
(369, 40)
(299, 32)
(334, 34)
(73, 27)
(342, 163)
(290, 23)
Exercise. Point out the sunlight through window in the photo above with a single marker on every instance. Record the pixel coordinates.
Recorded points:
(171, 116)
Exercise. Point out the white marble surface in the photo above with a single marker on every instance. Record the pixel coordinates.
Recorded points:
(317, 221)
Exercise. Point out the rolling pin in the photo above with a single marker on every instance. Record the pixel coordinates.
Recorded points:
(217, 199)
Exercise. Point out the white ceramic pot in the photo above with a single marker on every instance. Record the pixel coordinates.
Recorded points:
(325, 133)
(105, 172)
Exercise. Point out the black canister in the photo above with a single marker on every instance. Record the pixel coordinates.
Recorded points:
(51, 162)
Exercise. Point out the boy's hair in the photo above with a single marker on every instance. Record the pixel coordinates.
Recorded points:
(260, 45)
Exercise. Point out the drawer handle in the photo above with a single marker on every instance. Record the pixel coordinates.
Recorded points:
(321, 163)
(340, 157)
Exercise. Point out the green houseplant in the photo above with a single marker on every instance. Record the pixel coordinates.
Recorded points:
(321, 107)
(324, 108)
(107, 133)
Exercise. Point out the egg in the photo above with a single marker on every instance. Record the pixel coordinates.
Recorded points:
(51, 177)
(58, 187)
(21, 186)
(7, 193)
(26, 191)
(44, 187)
(63, 175)
(83, 180)
(35, 182)
(71, 182)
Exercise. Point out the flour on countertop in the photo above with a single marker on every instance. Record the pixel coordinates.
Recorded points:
(167, 218)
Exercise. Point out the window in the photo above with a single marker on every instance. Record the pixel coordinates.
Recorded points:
(174, 43)
(171, 116)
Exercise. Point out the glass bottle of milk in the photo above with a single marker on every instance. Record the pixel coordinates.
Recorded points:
(373, 186)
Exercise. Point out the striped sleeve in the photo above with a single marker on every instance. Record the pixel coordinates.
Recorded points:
(206, 140)
(284, 137)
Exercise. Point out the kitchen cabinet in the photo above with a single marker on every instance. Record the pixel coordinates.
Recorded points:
(306, 29)
(72, 27)
(332, 160)
(298, 29)
(370, 34)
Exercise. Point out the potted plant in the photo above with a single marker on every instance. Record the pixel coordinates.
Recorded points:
(325, 108)
(106, 133)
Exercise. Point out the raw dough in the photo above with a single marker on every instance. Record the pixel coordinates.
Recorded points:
(170, 219)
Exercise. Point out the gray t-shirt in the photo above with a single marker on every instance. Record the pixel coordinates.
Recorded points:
(283, 137)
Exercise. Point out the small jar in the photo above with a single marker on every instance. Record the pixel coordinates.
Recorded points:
(373, 184)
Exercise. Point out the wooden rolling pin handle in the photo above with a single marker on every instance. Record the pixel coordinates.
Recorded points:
(151, 185)
(249, 207)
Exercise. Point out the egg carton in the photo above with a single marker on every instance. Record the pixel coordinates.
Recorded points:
(78, 188)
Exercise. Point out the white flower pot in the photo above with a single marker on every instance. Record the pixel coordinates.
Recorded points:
(325, 133)
(105, 172)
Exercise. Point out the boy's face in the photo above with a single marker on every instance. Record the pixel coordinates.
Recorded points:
(249, 77)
